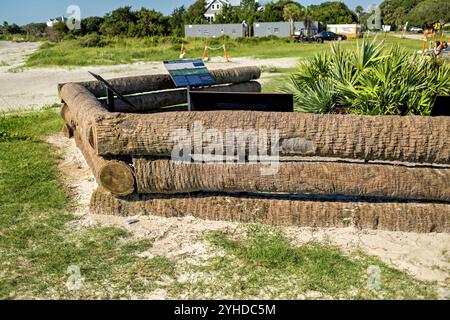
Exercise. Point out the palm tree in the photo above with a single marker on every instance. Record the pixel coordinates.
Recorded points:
(290, 12)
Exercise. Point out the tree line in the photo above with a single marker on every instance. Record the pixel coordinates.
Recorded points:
(148, 22)
(418, 13)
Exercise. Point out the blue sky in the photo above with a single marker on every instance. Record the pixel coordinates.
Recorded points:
(25, 11)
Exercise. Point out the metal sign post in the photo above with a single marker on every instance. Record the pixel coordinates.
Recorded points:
(189, 98)
(110, 92)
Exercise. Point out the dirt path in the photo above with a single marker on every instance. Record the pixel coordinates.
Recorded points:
(418, 36)
(36, 87)
(426, 256)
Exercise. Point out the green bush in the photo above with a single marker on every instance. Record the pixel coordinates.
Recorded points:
(70, 36)
(6, 37)
(93, 41)
(47, 45)
(368, 80)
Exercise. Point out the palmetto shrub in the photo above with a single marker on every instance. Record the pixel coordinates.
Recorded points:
(371, 79)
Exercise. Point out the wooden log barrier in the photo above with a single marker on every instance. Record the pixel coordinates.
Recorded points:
(392, 138)
(415, 139)
(115, 176)
(157, 100)
(327, 178)
(80, 109)
(409, 217)
(154, 82)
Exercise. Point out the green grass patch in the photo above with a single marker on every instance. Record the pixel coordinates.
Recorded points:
(274, 78)
(265, 264)
(37, 245)
(86, 51)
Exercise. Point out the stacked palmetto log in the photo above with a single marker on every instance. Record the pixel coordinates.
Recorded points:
(405, 186)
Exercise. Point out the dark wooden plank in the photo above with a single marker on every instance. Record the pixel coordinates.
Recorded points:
(251, 101)
(441, 106)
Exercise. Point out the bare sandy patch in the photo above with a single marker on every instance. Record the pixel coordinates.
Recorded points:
(13, 54)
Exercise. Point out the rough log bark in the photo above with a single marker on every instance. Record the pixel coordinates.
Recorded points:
(391, 138)
(154, 82)
(328, 178)
(156, 100)
(80, 109)
(114, 176)
(409, 217)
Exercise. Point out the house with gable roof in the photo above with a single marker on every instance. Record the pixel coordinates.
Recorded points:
(213, 7)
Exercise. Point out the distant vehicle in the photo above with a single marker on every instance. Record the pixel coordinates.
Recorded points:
(300, 37)
(416, 29)
(328, 36)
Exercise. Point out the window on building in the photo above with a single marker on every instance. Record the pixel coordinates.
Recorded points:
(276, 30)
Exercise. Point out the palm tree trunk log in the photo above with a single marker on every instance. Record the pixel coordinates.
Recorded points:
(409, 217)
(80, 110)
(391, 138)
(326, 178)
(154, 82)
(114, 176)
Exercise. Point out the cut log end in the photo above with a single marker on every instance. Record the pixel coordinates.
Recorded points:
(117, 177)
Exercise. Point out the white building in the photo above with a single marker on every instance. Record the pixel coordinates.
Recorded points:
(51, 22)
(349, 30)
(213, 7)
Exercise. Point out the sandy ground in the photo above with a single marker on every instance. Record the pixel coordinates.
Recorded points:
(36, 87)
(426, 256)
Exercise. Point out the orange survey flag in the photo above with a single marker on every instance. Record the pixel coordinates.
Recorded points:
(182, 52)
(425, 40)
